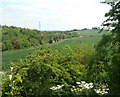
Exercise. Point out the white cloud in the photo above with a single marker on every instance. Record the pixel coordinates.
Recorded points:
(17, 7)
(54, 14)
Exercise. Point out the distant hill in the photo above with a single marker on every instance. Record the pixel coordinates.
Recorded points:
(19, 38)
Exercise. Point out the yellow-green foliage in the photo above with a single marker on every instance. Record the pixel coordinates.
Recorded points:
(43, 69)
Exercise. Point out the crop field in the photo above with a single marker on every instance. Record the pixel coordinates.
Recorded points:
(89, 32)
(91, 41)
(92, 37)
(13, 56)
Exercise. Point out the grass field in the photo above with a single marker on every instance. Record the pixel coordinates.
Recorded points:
(89, 32)
(92, 37)
(13, 56)
(91, 41)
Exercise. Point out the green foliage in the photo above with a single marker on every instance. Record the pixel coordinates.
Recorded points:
(14, 55)
(42, 69)
(21, 43)
(25, 38)
(90, 41)
(105, 69)
(7, 44)
(33, 42)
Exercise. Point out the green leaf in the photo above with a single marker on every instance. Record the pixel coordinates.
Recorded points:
(19, 78)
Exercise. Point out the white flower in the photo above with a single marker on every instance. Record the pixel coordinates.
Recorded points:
(106, 92)
(53, 88)
(78, 83)
(97, 91)
(62, 85)
(101, 91)
(73, 87)
(75, 90)
(87, 86)
(13, 81)
(72, 90)
(83, 82)
(57, 87)
(11, 68)
(91, 84)
(10, 76)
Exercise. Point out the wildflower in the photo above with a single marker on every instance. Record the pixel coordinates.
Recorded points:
(91, 86)
(11, 68)
(10, 76)
(83, 82)
(72, 90)
(86, 86)
(78, 83)
(106, 92)
(57, 87)
(73, 86)
(101, 91)
(90, 83)
(53, 88)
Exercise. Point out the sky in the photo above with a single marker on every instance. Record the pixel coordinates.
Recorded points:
(53, 14)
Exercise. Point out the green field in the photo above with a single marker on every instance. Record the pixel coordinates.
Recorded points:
(92, 37)
(13, 56)
(91, 41)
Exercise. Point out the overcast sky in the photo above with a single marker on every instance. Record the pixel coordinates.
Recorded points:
(53, 14)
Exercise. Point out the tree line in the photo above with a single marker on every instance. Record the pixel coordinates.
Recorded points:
(19, 38)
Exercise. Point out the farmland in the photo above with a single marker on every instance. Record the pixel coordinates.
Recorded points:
(91, 38)
(69, 63)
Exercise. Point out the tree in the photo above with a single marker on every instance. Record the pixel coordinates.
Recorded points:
(7, 45)
(106, 67)
(113, 24)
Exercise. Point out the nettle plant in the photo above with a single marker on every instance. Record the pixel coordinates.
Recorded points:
(40, 71)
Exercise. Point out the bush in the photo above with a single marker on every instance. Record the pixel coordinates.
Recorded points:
(41, 70)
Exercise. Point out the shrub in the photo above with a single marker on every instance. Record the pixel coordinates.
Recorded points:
(43, 69)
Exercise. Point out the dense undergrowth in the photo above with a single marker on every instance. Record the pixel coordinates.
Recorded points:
(44, 68)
